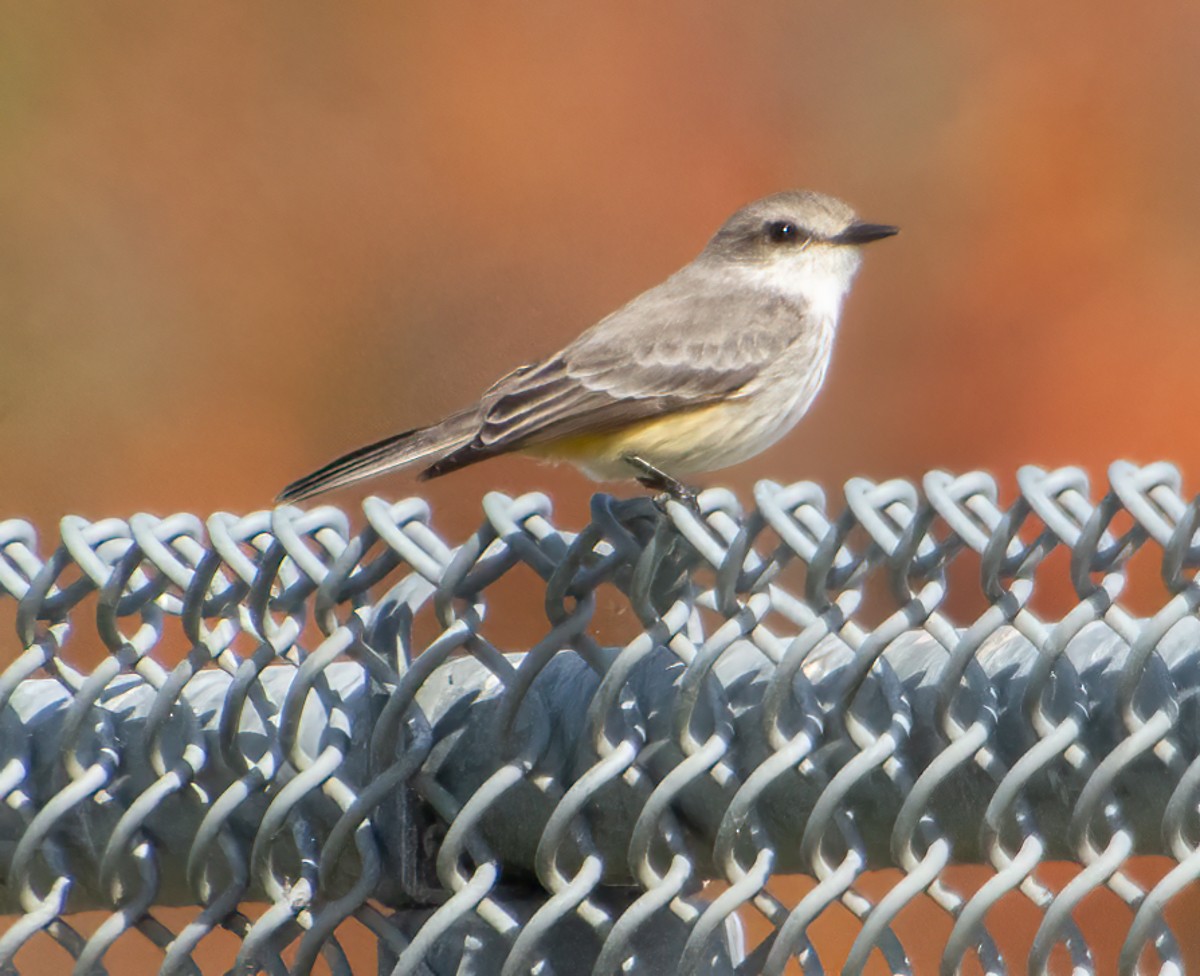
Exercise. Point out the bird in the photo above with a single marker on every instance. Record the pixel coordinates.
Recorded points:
(700, 372)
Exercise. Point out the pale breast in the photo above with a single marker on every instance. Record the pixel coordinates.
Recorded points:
(713, 436)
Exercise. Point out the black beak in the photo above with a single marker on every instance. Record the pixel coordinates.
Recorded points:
(861, 233)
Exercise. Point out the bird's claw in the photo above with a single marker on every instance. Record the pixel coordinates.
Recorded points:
(668, 488)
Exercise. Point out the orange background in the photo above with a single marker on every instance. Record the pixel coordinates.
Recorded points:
(240, 239)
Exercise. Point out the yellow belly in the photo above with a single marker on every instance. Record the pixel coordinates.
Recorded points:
(681, 443)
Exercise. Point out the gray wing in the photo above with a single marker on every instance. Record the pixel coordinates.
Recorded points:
(673, 348)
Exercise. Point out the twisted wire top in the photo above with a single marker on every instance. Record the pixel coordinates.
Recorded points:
(307, 733)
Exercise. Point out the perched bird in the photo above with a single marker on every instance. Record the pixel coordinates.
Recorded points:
(700, 372)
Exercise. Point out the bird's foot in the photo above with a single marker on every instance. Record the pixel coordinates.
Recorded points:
(669, 489)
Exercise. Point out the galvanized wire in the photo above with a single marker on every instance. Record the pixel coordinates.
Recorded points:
(309, 733)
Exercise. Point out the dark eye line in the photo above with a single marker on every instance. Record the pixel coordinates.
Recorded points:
(785, 231)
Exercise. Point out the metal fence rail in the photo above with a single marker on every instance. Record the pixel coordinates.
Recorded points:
(313, 736)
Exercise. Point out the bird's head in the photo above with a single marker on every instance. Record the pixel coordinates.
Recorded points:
(797, 241)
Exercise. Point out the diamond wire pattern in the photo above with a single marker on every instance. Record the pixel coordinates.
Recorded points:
(308, 771)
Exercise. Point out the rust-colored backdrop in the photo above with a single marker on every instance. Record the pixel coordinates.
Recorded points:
(236, 240)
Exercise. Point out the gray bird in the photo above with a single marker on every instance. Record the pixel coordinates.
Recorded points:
(700, 372)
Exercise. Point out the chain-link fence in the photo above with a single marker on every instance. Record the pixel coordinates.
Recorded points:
(776, 740)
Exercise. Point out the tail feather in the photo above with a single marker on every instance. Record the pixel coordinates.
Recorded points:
(397, 451)
(456, 459)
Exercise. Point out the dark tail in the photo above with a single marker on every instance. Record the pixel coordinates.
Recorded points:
(397, 451)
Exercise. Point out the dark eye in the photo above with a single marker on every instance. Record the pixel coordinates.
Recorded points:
(782, 232)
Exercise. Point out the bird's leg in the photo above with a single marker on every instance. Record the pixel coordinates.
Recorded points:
(657, 480)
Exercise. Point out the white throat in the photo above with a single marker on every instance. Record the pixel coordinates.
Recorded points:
(819, 281)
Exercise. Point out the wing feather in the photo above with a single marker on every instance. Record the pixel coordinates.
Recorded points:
(676, 347)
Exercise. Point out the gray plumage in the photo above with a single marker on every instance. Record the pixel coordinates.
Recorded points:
(758, 304)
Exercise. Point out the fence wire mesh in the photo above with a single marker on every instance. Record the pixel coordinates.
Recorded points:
(261, 743)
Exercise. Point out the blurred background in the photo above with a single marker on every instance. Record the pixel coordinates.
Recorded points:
(240, 239)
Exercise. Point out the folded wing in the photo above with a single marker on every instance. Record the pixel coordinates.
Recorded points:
(665, 352)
